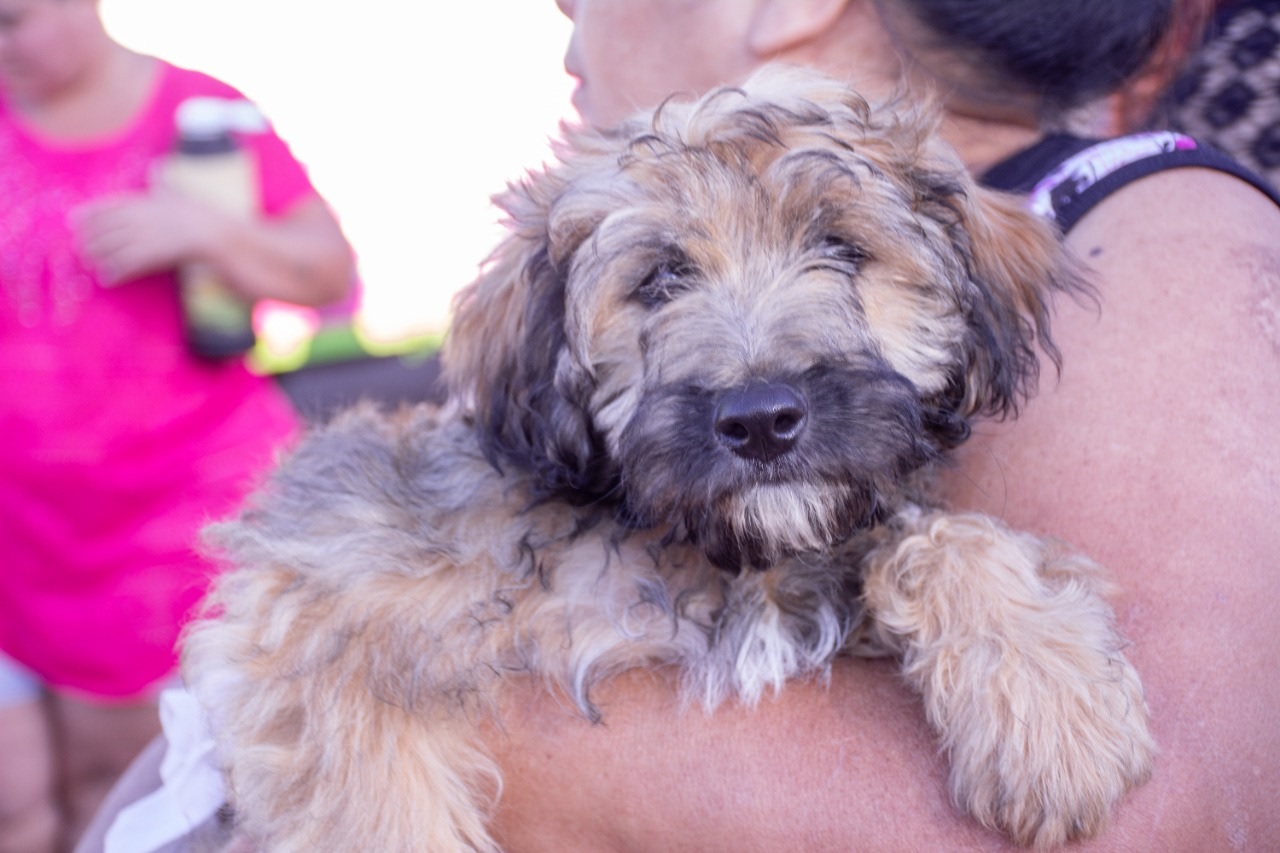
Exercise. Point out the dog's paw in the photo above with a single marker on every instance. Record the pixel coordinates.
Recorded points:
(1015, 651)
(1058, 748)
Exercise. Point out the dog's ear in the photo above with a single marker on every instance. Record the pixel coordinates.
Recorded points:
(1020, 263)
(506, 359)
(1014, 262)
(1010, 261)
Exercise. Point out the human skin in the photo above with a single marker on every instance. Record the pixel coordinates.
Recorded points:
(667, 50)
(45, 46)
(300, 258)
(1153, 452)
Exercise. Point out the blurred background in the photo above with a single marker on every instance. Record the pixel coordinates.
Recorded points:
(409, 116)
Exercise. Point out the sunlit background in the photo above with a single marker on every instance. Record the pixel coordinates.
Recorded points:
(408, 116)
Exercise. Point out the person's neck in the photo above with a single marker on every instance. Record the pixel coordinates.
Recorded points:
(983, 142)
(101, 99)
(884, 51)
(984, 139)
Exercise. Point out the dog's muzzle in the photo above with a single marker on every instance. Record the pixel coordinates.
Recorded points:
(761, 421)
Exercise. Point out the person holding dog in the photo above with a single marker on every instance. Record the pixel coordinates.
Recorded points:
(1152, 450)
(117, 442)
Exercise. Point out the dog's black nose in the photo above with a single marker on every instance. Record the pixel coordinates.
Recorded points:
(762, 420)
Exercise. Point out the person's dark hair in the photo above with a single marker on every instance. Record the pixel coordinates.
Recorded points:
(1063, 52)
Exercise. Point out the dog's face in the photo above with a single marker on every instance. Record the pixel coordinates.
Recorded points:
(747, 318)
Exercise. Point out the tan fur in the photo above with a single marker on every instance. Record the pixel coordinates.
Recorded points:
(1010, 643)
(582, 504)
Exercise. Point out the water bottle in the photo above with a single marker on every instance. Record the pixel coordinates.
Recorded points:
(209, 163)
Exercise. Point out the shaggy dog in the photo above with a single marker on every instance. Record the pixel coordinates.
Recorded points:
(694, 399)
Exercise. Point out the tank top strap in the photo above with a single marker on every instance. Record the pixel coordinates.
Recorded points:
(1065, 176)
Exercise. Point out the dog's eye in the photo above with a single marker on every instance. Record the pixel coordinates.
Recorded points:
(664, 282)
(840, 254)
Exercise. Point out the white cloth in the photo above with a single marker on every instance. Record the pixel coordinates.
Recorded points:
(191, 790)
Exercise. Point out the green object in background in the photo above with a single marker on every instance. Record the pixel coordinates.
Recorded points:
(339, 342)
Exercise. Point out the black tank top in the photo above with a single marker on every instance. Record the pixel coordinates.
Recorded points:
(1064, 176)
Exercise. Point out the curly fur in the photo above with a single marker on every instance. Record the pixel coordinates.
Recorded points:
(694, 399)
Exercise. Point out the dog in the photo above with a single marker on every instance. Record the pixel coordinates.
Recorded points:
(695, 399)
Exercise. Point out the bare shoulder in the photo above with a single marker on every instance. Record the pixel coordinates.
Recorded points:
(1154, 451)
(1185, 241)
(1172, 377)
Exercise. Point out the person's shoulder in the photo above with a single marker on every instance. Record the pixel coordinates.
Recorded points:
(1067, 177)
(1183, 214)
(188, 82)
(1185, 253)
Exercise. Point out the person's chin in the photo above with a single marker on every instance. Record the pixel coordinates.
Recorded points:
(13, 82)
(581, 101)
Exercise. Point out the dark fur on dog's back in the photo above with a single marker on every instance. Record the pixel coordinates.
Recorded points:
(695, 398)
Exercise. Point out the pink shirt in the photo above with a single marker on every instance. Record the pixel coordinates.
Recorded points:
(116, 444)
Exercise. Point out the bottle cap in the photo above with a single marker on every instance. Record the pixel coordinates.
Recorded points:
(211, 118)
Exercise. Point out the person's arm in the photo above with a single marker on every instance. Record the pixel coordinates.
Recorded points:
(1155, 452)
(301, 257)
(845, 767)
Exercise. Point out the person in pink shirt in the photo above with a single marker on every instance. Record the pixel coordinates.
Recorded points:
(117, 443)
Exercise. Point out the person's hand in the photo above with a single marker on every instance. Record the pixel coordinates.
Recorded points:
(128, 236)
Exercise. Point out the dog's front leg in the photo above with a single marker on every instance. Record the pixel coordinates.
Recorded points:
(1016, 655)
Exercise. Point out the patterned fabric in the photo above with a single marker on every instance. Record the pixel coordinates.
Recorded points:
(1065, 176)
(116, 444)
(1062, 188)
(1229, 94)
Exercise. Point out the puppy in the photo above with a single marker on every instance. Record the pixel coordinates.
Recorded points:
(694, 400)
